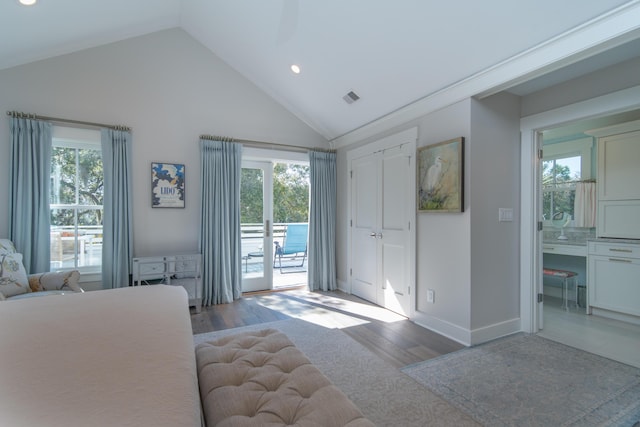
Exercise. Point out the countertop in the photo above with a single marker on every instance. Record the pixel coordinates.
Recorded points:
(570, 242)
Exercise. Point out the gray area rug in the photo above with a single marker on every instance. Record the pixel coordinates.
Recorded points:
(384, 394)
(526, 380)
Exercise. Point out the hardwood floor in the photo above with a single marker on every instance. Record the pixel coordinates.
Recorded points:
(390, 336)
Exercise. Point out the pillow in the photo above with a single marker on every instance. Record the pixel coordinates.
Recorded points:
(13, 277)
(6, 247)
(55, 281)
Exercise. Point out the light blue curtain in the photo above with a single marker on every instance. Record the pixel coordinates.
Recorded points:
(322, 221)
(29, 200)
(220, 165)
(117, 233)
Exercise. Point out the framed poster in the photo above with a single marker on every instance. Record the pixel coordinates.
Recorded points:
(167, 185)
(441, 177)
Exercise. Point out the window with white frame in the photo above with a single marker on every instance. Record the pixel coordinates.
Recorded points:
(563, 165)
(76, 197)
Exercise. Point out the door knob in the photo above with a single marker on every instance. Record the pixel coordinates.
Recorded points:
(374, 235)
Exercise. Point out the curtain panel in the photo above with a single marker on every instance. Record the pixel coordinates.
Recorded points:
(322, 221)
(117, 240)
(585, 205)
(29, 214)
(219, 241)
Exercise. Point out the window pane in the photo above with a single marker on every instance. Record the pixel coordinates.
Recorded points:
(570, 168)
(290, 193)
(90, 177)
(563, 201)
(63, 176)
(546, 204)
(251, 196)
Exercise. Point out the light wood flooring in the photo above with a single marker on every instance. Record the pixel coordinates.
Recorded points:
(390, 336)
(610, 338)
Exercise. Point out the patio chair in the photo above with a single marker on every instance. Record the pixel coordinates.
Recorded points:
(294, 246)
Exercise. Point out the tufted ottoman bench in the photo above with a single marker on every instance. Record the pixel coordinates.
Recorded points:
(261, 379)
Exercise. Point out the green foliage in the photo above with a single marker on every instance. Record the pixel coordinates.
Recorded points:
(76, 178)
(558, 189)
(290, 194)
(251, 184)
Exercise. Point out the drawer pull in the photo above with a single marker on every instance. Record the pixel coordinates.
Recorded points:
(628, 251)
(619, 260)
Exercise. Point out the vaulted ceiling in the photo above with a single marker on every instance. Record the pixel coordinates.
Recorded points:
(395, 55)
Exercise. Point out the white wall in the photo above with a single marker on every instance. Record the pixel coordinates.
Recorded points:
(611, 79)
(495, 183)
(469, 259)
(443, 239)
(169, 89)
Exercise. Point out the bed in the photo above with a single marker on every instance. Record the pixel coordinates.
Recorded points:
(120, 357)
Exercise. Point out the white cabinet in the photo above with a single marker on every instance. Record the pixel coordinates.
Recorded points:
(613, 277)
(618, 180)
(176, 270)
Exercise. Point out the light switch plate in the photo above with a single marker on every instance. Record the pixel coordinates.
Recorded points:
(505, 214)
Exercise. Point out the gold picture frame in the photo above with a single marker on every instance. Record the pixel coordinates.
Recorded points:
(440, 177)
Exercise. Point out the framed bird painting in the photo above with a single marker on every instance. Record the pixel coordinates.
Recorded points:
(441, 177)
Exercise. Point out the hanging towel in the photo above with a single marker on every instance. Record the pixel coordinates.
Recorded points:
(584, 209)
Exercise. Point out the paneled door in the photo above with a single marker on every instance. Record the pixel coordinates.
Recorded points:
(257, 229)
(382, 215)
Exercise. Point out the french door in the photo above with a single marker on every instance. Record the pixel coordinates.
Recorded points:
(256, 205)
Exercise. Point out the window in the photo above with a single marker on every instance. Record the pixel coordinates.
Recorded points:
(564, 164)
(76, 199)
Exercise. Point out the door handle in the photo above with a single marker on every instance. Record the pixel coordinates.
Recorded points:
(267, 231)
(379, 235)
(372, 234)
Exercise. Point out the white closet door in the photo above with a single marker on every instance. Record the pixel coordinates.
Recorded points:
(382, 212)
(395, 236)
(364, 217)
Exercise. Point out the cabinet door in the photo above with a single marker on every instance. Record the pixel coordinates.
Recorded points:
(619, 219)
(618, 167)
(614, 283)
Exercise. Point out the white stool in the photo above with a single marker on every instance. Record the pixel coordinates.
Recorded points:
(565, 275)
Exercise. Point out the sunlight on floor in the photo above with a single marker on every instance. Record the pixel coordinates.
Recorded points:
(326, 310)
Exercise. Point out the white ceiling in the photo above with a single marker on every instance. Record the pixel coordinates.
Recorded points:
(391, 53)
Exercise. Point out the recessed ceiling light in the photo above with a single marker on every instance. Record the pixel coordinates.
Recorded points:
(27, 2)
(295, 68)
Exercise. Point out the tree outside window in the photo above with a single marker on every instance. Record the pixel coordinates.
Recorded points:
(559, 178)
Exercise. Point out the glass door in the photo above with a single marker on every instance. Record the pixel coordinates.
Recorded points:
(256, 218)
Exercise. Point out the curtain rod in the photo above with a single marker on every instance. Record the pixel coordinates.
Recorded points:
(17, 114)
(261, 144)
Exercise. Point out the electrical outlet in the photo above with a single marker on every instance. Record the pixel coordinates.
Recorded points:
(431, 296)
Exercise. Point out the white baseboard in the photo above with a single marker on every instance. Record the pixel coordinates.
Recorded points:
(343, 286)
(465, 336)
(449, 330)
(497, 330)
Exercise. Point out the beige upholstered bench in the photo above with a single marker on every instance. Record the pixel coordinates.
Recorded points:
(260, 378)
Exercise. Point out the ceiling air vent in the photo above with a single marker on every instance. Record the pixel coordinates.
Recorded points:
(351, 97)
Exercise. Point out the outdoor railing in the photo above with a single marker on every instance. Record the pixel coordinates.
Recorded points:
(252, 235)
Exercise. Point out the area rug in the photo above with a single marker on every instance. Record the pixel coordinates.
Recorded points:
(528, 380)
(385, 395)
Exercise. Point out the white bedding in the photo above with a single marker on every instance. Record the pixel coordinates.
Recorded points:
(121, 357)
